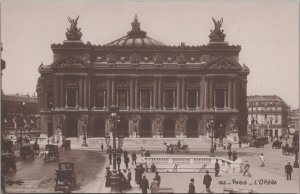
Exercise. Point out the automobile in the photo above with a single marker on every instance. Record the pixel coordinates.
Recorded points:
(8, 162)
(66, 145)
(51, 153)
(26, 151)
(65, 177)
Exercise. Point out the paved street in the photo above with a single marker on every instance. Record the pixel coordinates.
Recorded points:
(38, 176)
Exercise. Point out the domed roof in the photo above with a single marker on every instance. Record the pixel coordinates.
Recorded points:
(135, 37)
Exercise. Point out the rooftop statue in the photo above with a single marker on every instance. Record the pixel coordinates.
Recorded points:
(217, 34)
(73, 33)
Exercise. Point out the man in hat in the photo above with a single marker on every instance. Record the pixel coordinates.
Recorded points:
(144, 184)
(207, 180)
(157, 177)
(288, 171)
(191, 186)
(107, 177)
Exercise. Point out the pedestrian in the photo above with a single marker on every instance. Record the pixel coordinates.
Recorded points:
(102, 147)
(144, 184)
(120, 176)
(153, 167)
(129, 179)
(107, 177)
(124, 180)
(215, 146)
(217, 168)
(154, 186)
(229, 154)
(207, 180)
(137, 174)
(125, 154)
(192, 186)
(234, 155)
(246, 169)
(157, 177)
(119, 161)
(126, 161)
(262, 161)
(133, 158)
(288, 170)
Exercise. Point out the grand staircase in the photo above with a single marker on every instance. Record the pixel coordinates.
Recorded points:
(146, 143)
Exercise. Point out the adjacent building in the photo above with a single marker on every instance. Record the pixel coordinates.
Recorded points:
(267, 116)
(293, 120)
(161, 90)
(19, 115)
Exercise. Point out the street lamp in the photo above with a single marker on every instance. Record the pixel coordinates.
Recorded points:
(253, 128)
(114, 110)
(211, 125)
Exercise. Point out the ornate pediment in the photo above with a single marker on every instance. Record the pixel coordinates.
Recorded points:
(69, 62)
(222, 63)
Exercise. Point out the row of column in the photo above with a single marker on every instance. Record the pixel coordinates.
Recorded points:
(61, 93)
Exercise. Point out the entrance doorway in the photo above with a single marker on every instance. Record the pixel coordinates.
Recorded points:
(192, 128)
(169, 128)
(99, 129)
(72, 127)
(146, 128)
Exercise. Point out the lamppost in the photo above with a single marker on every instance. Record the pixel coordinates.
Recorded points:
(253, 127)
(114, 110)
(211, 125)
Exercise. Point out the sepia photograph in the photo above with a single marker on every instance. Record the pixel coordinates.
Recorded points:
(149, 96)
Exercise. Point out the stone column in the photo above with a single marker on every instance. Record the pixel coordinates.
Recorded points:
(131, 93)
(154, 93)
(81, 93)
(136, 93)
(77, 98)
(127, 99)
(234, 94)
(104, 98)
(85, 93)
(197, 99)
(159, 93)
(202, 93)
(117, 99)
(225, 99)
(66, 98)
(151, 98)
(56, 92)
(62, 92)
(206, 94)
(108, 92)
(211, 94)
(140, 101)
(229, 93)
(183, 104)
(46, 101)
(174, 99)
(178, 93)
(113, 97)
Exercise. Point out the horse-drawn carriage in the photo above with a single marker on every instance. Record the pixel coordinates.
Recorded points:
(277, 144)
(26, 151)
(171, 148)
(66, 145)
(259, 142)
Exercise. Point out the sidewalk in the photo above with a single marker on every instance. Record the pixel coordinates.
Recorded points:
(261, 182)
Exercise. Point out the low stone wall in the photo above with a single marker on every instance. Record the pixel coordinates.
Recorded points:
(191, 163)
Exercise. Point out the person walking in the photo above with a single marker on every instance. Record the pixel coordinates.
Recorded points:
(126, 161)
(133, 158)
(262, 160)
(119, 161)
(191, 186)
(157, 177)
(129, 179)
(144, 184)
(288, 170)
(107, 177)
(154, 186)
(137, 174)
(102, 147)
(246, 169)
(120, 176)
(229, 154)
(207, 180)
(217, 168)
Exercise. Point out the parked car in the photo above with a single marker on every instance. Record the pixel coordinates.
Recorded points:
(26, 151)
(65, 177)
(51, 153)
(8, 162)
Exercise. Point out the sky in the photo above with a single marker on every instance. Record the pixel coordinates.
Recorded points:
(267, 30)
